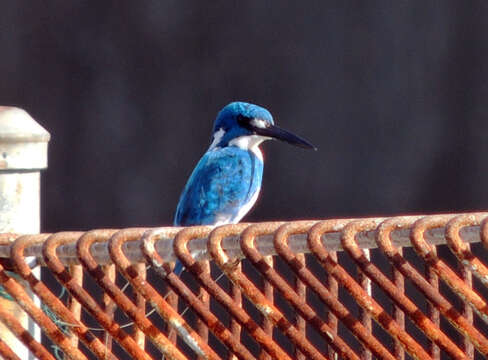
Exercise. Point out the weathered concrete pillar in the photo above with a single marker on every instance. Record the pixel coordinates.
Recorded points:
(23, 154)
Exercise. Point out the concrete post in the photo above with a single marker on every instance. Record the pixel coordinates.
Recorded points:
(23, 154)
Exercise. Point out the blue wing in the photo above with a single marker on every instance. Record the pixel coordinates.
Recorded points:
(223, 182)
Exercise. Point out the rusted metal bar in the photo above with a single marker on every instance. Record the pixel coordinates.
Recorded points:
(301, 323)
(77, 328)
(333, 288)
(13, 324)
(173, 300)
(364, 315)
(432, 312)
(6, 352)
(63, 276)
(336, 307)
(467, 277)
(140, 302)
(236, 294)
(353, 324)
(107, 303)
(484, 241)
(67, 252)
(185, 331)
(281, 244)
(202, 328)
(137, 314)
(468, 264)
(74, 306)
(431, 294)
(266, 307)
(398, 314)
(441, 269)
(22, 298)
(182, 252)
(424, 323)
(195, 302)
(267, 324)
(349, 230)
(460, 248)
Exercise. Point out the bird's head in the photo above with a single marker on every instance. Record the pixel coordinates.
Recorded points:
(247, 125)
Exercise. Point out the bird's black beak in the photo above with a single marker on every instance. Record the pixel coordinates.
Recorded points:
(275, 132)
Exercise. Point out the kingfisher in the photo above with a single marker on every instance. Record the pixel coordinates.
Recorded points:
(225, 183)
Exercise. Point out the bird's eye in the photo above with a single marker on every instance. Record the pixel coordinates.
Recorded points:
(243, 120)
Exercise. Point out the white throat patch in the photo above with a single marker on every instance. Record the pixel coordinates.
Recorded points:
(250, 143)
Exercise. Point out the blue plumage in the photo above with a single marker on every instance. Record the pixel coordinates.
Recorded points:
(226, 181)
(223, 182)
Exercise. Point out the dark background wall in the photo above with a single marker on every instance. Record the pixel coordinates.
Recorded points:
(392, 93)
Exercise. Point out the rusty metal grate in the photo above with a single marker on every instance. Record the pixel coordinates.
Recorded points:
(386, 288)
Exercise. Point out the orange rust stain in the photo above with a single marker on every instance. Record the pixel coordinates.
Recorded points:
(19, 188)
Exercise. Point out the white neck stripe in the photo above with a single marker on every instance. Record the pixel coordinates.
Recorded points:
(218, 135)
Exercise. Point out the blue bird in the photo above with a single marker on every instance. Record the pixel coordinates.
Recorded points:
(226, 182)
